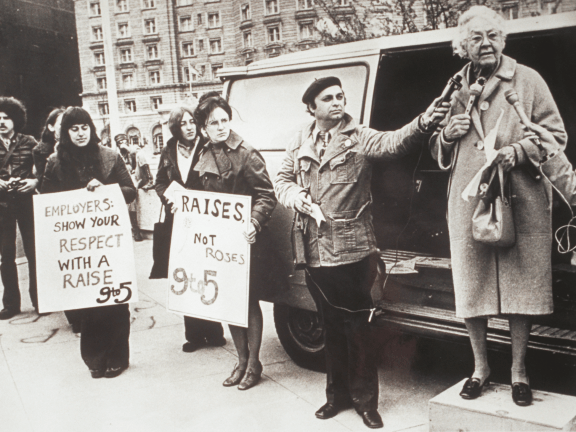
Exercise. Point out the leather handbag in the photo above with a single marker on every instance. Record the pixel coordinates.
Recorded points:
(493, 218)
(161, 240)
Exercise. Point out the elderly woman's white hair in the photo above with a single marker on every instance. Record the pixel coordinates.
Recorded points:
(458, 44)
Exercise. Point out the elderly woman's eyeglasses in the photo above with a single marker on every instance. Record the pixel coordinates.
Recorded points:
(477, 39)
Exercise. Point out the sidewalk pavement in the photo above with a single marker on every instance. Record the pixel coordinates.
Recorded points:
(46, 387)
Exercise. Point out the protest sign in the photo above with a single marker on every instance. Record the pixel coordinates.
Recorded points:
(209, 267)
(84, 251)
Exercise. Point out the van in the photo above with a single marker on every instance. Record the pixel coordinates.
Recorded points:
(387, 82)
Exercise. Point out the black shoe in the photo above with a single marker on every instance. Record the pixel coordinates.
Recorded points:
(372, 419)
(327, 411)
(472, 388)
(6, 314)
(137, 235)
(216, 342)
(113, 372)
(97, 373)
(521, 394)
(189, 347)
(251, 378)
(235, 378)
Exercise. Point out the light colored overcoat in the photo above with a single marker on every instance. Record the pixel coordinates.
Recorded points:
(490, 280)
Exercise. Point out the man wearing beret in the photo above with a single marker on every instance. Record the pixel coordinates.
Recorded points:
(325, 177)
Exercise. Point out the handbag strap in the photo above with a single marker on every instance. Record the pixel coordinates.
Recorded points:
(161, 212)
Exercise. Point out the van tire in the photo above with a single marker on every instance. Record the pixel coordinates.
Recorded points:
(301, 334)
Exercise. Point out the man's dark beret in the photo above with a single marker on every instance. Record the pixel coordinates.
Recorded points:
(318, 86)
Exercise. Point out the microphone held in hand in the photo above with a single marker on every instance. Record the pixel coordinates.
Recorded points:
(475, 92)
(454, 83)
(512, 98)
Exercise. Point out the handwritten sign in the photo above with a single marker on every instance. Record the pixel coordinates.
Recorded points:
(84, 251)
(209, 267)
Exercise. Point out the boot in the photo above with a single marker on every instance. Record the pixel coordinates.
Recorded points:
(135, 229)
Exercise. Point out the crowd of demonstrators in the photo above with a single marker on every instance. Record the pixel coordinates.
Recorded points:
(138, 166)
(513, 282)
(78, 163)
(341, 261)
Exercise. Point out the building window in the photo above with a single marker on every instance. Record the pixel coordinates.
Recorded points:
(130, 105)
(156, 102)
(99, 58)
(272, 7)
(150, 26)
(510, 10)
(97, 33)
(190, 74)
(126, 55)
(341, 2)
(154, 77)
(157, 139)
(245, 12)
(101, 83)
(103, 108)
(306, 30)
(305, 4)
(273, 34)
(123, 30)
(152, 52)
(185, 23)
(184, 2)
(149, 4)
(200, 45)
(200, 19)
(128, 81)
(213, 19)
(247, 39)
(204, 72)
(95, 9)
(187, 49)
(215, 69)
(122, 5)
(215, 46)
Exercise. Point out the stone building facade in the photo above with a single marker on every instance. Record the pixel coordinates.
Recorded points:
(169, 51)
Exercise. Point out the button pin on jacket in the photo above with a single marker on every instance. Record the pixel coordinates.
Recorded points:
(480, 145)
(348, 143)
(484, 106)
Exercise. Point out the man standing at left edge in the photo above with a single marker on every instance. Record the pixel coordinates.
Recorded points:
(17, 184)
(327, 169)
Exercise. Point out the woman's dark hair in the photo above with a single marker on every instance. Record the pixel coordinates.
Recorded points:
(176, 117)
(79, 163)
(205, 108)
(14, 109)
(47, 135)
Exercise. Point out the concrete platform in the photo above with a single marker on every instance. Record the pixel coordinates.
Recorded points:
(495, 411)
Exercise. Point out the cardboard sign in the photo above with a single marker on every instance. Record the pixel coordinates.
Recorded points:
(84, 251)
(209, 267)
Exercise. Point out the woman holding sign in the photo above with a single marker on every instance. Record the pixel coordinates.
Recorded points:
(80, 163)
(246, 175)
(176, 161)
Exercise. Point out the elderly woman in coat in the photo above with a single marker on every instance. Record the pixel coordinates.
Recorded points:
(514, 282)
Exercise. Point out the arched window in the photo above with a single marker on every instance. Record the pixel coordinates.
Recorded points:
(134, 136)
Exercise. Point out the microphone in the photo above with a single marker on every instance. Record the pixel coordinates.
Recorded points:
(475, 92)
(454, 83)
(512, 98)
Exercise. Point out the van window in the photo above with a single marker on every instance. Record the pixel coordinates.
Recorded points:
(268, 110)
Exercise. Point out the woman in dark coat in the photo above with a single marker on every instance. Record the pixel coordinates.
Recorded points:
(81, 163)
(176, 161)
(45, 148)
(229, 165)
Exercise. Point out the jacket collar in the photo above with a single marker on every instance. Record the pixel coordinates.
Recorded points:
(217, 161)
(338, 143)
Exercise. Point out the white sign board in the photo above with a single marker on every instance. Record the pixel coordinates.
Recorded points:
(84, 251)
(209, 267)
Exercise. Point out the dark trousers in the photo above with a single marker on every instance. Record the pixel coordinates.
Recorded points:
(197, 330)
(17, 211)
(351, 367)
(104, 339)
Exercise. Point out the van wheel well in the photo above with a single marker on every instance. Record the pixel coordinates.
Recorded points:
(301, 333)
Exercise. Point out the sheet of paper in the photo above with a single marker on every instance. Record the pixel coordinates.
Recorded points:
(174, 187)
(317, 214)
